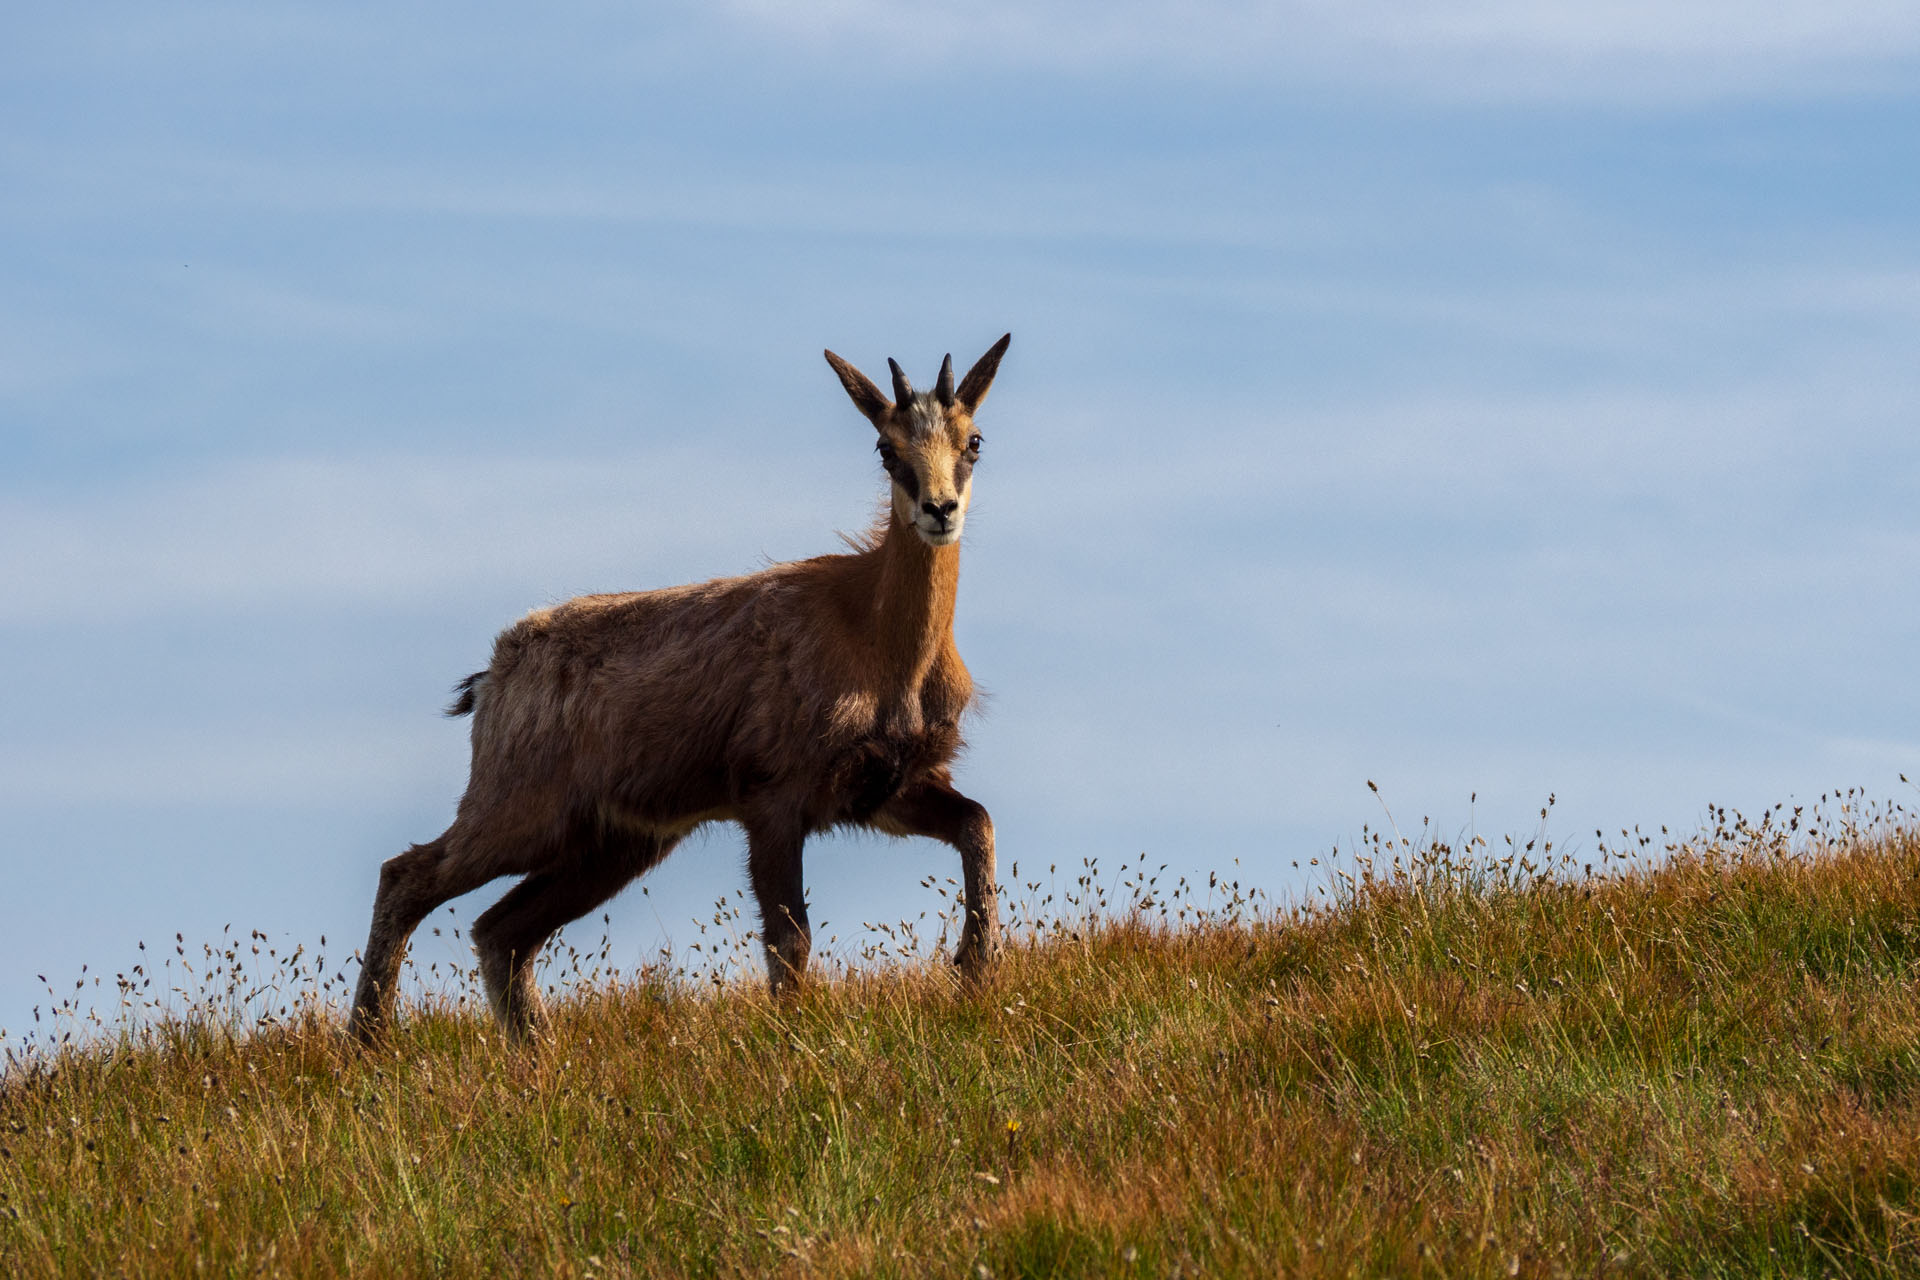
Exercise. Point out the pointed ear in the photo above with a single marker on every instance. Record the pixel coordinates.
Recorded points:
(973, 387)
(866, 396)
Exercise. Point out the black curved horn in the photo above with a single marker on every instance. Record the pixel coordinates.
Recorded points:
(943, 389)
(902, 389)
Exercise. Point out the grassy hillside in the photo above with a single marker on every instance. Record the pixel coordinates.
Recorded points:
(1698, 1058)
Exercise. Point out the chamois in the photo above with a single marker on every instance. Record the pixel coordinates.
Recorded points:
(813, 694)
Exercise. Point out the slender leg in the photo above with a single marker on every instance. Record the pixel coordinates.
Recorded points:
(774, 866)
(412, 884)
(510, 933)
(936, 809)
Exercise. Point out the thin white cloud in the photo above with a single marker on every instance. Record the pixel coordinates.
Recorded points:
(373, 759)
(388, 531)
(1448, 455)
(1612, 49)
(405, 531)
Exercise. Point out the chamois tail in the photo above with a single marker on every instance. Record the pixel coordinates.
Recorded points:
(466, 693)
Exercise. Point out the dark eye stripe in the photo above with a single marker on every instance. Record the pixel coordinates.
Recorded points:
(903, 475)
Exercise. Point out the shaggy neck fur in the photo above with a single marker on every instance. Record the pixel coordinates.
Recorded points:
(913, 597)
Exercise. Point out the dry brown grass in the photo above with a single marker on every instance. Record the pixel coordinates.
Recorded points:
(1699, 1057)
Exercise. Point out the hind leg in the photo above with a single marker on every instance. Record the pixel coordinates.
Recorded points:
(510, 933)
(412, 884)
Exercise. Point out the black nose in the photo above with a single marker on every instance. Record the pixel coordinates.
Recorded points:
(941, 511)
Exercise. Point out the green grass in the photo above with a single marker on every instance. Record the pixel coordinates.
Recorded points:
(1699, 1059)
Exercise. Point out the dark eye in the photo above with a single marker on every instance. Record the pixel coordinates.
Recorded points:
(886, 452)
(974, 442)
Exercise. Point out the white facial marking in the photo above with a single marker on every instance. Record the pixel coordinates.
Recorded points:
(947, 538)
(928, 446)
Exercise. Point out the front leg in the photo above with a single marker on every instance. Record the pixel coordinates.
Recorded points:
(774, 865)
(935, 809)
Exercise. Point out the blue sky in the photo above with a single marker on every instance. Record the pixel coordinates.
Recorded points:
(1494, 398)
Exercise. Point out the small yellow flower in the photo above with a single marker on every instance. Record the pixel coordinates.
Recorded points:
(1013, 1127)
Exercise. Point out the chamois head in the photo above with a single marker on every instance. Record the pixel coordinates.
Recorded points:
(927, 441)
